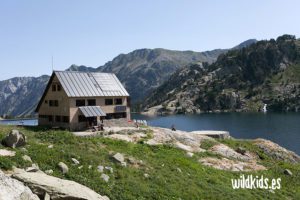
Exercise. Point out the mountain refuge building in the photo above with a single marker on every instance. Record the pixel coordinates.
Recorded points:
(78, 100)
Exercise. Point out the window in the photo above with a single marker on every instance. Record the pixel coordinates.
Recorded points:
(58, 87)
(50, 118)
(108, 102)
(80, 102)
(46, 102)
(53, 87)
(53, 103)
(128, 101)
(118, 101)
(81, 118)
(65, 119)
(91, 102)
(43, 116)
(57, 118)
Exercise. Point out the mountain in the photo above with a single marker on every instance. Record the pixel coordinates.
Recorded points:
(141, 71)
(245, 44)
(81, 68)
(19, 96)
(267, 72)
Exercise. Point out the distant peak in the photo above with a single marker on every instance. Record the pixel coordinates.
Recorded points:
(245, 44)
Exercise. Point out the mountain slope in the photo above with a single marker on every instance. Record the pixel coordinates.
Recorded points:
(141, 71)
(19, 96)
(240, 80)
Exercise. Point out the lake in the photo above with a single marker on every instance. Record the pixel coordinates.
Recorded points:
(281, 128)
(27, 122)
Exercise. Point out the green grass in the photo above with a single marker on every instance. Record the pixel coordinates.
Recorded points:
(207, 144)
(195, 181)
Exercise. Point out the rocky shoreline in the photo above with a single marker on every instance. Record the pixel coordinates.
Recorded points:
(231, 159)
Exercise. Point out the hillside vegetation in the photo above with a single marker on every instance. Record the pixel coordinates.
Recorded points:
(171, 174)
(266, 72)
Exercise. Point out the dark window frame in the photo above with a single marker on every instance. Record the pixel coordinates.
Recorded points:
(65, 119)
(53, 103)
(118, 102)
(109, 102)
(53, 87)
(81, 118)
(79, 102)
(91, 102)
(50, 118)
(57, 118)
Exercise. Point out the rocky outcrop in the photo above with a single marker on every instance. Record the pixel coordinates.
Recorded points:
(231, 165)
(12, 189)
(277, 152)
(228, 152)
(57, 189)
(14, 139)
(239, 159)
(187, 141)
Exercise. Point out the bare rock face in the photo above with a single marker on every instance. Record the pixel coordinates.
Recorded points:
(231, 165)
(277, 152)
(12, 189)
(228, 152)
(14, 139)
(57, 189)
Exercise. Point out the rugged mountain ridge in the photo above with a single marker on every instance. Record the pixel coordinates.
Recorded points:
(267, 72)
(19, 96)
(141, 71)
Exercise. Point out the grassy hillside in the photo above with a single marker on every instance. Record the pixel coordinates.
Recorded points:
(172, 175)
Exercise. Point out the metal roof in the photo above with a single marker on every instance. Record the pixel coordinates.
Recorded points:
(92, 111)
(86, 84)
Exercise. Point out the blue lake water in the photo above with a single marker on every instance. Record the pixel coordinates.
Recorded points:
(282, 128)
(26, 122)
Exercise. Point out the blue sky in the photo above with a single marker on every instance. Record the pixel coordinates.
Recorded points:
(94, 32)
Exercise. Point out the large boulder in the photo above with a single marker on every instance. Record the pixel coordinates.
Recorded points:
(63, 167)
(12, 189)
(14, 139)
(228, 152)
(276, 152)
(56, 188)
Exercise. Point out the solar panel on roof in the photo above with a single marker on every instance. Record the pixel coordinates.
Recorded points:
(81, 84)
